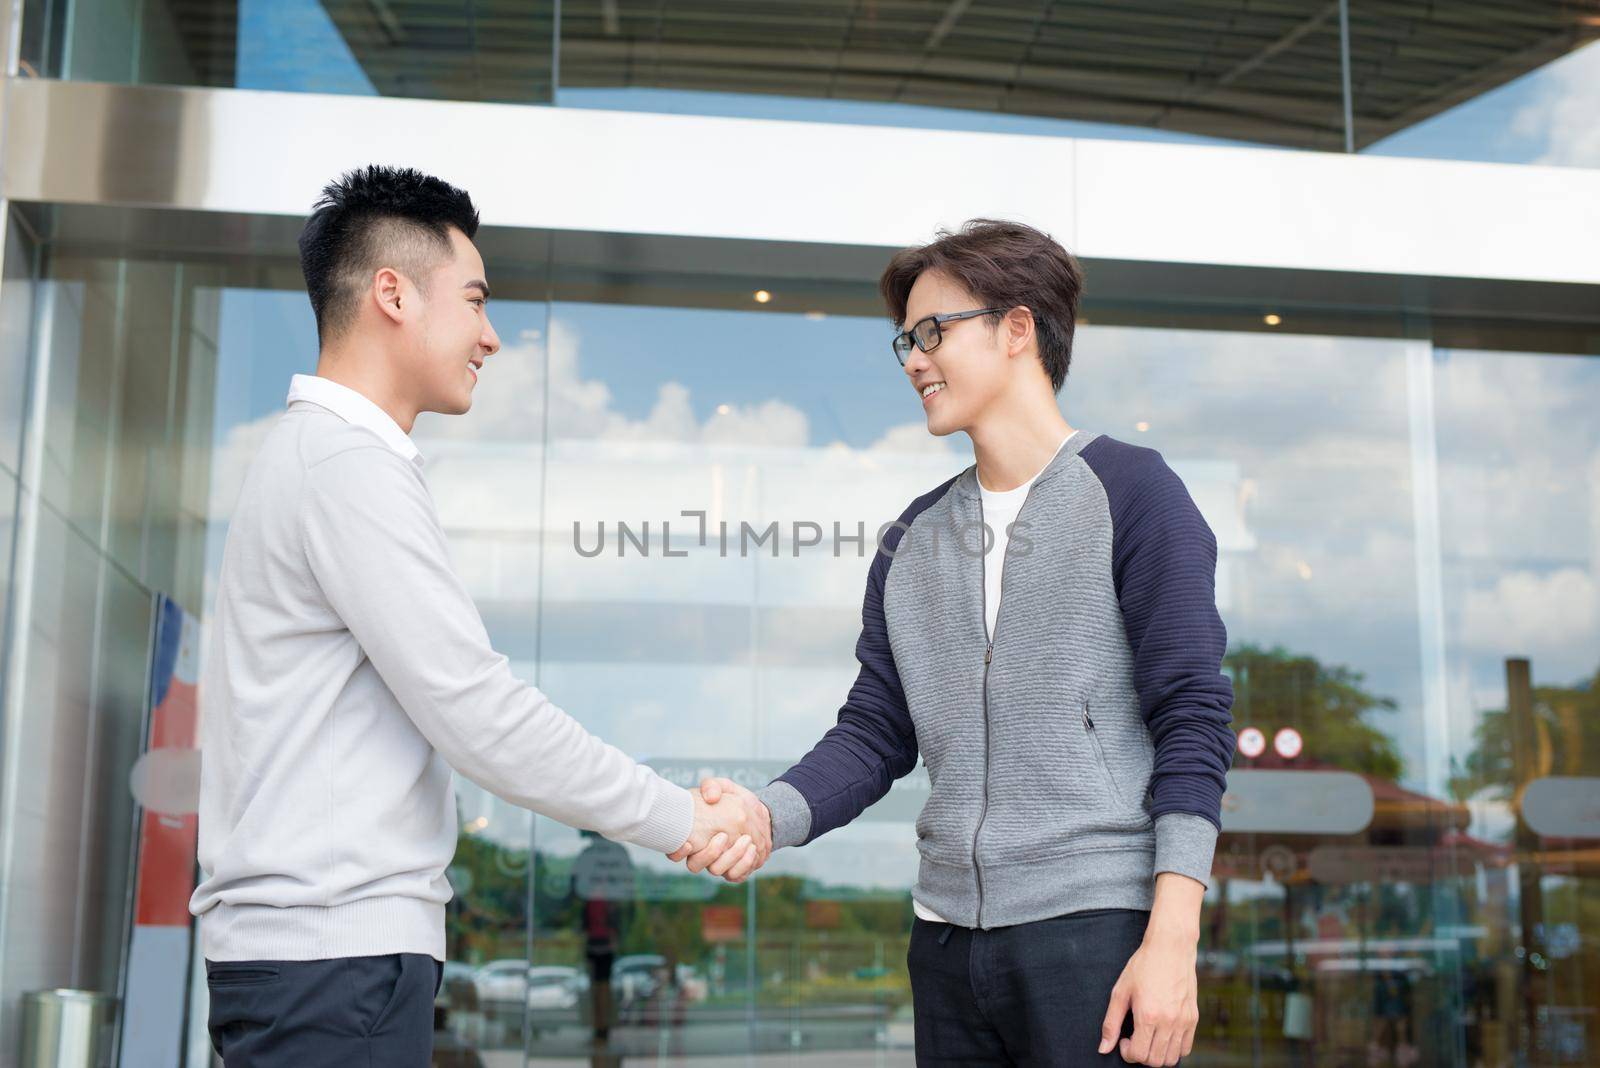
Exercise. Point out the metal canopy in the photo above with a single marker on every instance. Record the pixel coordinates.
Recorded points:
(1254, 70)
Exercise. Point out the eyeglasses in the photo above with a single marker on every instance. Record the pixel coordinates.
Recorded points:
(926, 333)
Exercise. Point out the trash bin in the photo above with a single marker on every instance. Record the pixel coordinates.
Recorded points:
(66, 1029)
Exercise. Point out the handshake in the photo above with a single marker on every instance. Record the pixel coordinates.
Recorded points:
(732, 834)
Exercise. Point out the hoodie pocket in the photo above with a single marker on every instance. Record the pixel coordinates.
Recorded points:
(1100, 753)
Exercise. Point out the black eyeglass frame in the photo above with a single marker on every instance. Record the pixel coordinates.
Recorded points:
(909, 337)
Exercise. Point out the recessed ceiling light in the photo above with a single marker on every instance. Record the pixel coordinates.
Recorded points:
(762, 296)
(1271, 320)
(1141, 426)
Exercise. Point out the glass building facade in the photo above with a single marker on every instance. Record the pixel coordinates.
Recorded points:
(664, 498)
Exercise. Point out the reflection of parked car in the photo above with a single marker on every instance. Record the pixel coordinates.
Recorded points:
(502, 981)
(637, 976)
(509, 983)
(555, 987)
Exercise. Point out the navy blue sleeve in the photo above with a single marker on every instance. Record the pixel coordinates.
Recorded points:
(1164, 561)
(874, 742)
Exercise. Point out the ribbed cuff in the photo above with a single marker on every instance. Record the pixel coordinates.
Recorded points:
(1185, 844)
(791, 816)
(670, 822)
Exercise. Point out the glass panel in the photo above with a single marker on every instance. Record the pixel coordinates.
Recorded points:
(16, 334)
(1519, 480)
(127, 341)
(1298, 451)
(102, 528)
(81, 682)
(77, 336)
(8, 532)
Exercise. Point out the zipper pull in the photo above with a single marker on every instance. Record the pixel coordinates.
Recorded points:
(1087, 722)
(988, 654)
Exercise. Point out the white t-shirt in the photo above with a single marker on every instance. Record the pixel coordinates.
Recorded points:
(1000, 510)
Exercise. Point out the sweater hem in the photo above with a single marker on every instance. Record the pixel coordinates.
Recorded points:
(1039, 890)
(370, 927)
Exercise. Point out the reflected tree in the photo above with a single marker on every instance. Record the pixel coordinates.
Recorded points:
(1328, 704)
(1565, 735)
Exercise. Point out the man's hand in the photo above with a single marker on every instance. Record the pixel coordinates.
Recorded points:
(716, 827)
(1158, 983)
(733, 857)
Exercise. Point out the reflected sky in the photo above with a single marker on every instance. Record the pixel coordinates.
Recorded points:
(1546, 116)
(1519, 498)
(292, 46)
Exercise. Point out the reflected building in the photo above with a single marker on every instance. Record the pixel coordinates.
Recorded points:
(1375, 373)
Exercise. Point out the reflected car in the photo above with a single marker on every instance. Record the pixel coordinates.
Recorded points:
(637, 976)
(507, 983)
(555, 986)
(502, 981)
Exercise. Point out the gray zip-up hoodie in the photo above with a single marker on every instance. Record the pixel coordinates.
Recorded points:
(1081, 751)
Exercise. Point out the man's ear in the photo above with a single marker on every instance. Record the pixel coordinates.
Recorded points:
(388, 292)
(1019, 330)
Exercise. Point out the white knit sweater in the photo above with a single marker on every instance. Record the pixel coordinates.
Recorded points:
(347, 671)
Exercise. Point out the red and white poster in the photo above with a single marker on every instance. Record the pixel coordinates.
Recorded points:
(165, 782)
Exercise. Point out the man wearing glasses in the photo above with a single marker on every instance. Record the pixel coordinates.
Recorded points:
(1061, 680)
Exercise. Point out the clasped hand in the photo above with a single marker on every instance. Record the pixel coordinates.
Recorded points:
(732, 834)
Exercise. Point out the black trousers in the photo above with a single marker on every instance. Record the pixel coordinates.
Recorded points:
(347, 1012)
(1033, 994)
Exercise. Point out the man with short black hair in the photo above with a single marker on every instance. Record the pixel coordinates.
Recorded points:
(347, 669)
(1042, 631)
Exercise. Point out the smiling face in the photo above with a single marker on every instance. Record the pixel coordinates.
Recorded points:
(450, 337)
(961, 378)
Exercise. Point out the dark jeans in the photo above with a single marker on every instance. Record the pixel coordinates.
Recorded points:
(348, 1012)
(1033, 994)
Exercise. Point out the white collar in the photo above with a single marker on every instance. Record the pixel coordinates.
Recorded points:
(355, 409)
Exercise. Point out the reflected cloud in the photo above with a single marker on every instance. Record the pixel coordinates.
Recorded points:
(1556, 615)
(512, 402)
(1562, 116)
